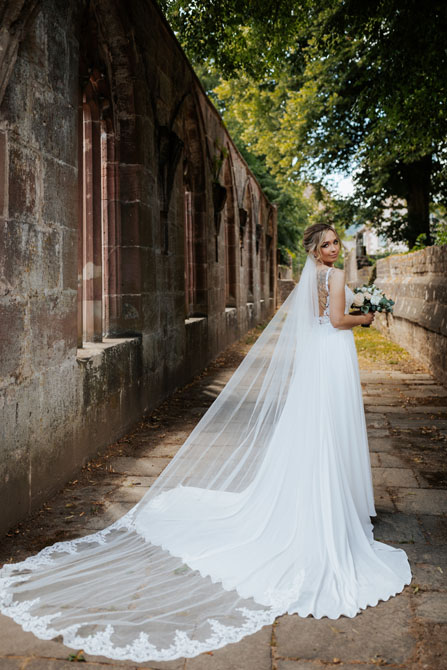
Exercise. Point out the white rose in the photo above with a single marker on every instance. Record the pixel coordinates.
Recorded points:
(375, 299)
(368, 295)
(358, 299)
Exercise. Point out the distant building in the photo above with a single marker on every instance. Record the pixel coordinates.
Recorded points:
(364, 245)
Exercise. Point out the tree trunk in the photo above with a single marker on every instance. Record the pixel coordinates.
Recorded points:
(417, 186)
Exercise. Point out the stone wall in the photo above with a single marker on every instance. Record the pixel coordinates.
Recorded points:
(417, 282)
(135, 244)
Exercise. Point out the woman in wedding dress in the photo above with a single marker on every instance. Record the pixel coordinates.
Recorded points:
(265, 509)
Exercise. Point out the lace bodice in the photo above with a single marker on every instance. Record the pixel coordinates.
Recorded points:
(323, 273)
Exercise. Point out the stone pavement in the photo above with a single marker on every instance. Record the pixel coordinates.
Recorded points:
(407, 425)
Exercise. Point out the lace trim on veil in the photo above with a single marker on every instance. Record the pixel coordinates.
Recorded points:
(140, 649)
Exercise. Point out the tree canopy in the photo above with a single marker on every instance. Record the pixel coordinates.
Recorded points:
(334, 85)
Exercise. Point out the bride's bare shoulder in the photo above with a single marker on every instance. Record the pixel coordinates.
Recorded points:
(337, 272)
(337, 277)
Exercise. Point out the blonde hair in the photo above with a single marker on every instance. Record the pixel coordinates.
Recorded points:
(313, 237)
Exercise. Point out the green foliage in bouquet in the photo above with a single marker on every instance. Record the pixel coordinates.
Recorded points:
(370, 298)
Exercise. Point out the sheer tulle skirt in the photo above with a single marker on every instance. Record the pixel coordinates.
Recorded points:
(287, 529)
(300, 534)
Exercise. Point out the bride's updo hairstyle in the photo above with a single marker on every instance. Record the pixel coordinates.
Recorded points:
(313, 238)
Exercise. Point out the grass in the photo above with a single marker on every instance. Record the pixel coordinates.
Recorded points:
(375, 351)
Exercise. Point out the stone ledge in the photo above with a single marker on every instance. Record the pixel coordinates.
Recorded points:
(97, 349)
(195, 319)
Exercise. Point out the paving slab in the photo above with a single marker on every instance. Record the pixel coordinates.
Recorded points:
(422, 501)
(146, 467)
(388, 460)
(397, 528)
(380, 443)
(111, 513)
(375, 460)
(16, 642)
(380, 632)
(431, 648)
(11, 663)
(376, 420)
(303, 665)
(431, 607)
(163, 450)
(435, 528)
(128, 494)
(383, 499)
(399, 477)
(427, 554)
(436, 411)
(250, 652)
(426, 391)
(378, 432)
(373, 403)
(428, 566)
(409, 422)
(52, 664)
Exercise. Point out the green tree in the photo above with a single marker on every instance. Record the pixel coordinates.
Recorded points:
(339, 85)
(293, 207)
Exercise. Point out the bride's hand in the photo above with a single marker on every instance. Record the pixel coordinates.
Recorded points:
(368, 318)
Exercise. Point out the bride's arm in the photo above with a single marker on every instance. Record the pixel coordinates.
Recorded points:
(337, 314)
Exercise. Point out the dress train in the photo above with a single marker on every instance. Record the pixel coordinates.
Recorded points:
(265, 510)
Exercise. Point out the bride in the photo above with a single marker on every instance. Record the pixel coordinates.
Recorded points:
(265, 509)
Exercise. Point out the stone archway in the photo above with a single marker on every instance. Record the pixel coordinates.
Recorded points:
(195, 214)
(229, 213)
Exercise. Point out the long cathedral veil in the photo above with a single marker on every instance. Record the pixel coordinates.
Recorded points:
(208, 555)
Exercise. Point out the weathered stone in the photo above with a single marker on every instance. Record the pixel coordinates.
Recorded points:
(382, 632)
(435, 527)
(60, 178)
(432, 607)
(11, 663)
(395, 477)
(422, 501)
(16, 642)
(23, 179)
(98, 203)
(428, 566)
(303, 665)
(12, 314)
(376, 420)
(383, 499)
(430, 652)
(377, 432)
(143, 467)
(419, 320)
(164, 450)
(382, 444)
(111, 512)
(389, 460)
(251, 652)
(397, 528)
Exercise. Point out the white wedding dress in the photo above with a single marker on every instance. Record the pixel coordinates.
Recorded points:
(265, 510)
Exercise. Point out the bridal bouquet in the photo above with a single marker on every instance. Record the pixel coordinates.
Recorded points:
(371, 299)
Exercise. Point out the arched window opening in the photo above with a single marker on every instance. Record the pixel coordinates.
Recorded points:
(270, 254)
(195, 217)
(98, 231)
(230, 239)
(247, 237)
(190, 279)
